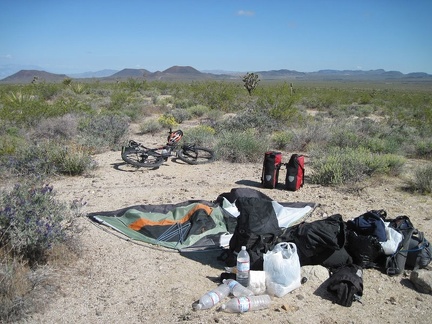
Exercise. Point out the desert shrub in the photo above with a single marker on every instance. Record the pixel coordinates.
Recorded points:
(281, 139)
(118, 100)
(223, 96)
(63, 127)
(32, 221)
(422, 181)
(337, 166)
(72, 160)
(103, 131)
(47, 158)
(167, 120)
(201, 135)
(79, 88)
(253, 117)
(198, 110)
(241, 146)
(34, 228)
(422, 148)
(180, 115)
(30, 159)
(151, 126)
(312, 135)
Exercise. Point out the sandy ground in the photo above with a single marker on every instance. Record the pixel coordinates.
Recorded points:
(119, 281)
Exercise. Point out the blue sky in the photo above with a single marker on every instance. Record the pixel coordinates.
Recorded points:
(231, 35)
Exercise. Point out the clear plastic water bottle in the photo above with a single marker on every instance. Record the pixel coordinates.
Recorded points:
(243, 267)
(246, 304)
(237, 289)
(211, 298)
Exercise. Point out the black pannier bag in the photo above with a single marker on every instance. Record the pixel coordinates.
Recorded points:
(270, 171)
(294, 179)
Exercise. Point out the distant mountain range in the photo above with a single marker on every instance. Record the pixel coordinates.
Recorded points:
(178, 73)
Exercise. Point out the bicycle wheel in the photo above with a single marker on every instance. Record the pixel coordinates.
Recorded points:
(195, 155)
(141, 158)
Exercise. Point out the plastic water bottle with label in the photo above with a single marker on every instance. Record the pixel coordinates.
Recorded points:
(237, 289)
(243, 267)
(246, 304)
(211, 298)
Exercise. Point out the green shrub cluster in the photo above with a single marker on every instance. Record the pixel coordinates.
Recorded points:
(241, 146)
(347, 165)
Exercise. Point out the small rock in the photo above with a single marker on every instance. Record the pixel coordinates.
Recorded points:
(422, 280)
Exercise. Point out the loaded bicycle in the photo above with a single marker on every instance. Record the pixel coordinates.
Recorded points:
(139, 155)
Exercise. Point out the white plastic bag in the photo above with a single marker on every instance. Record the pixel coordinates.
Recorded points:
(393, 239)
(282, 269)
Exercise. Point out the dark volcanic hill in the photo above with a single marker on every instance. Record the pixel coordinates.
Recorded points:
(131, 73)
(27, 76)
(182, 69)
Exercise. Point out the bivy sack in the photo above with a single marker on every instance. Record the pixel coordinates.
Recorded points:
(414, 251)
(270, 171)
(257, 228)
(294, 179)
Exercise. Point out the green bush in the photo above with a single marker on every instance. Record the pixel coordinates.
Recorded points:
(151, 126)
(422, 181)
(201, 135)
(241, 146)
(167, 121)
(198, 110)
(337, 166)
(180, 115)
(281, 139)
(47, 158)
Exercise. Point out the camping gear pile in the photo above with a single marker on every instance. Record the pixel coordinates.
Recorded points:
(277, 236)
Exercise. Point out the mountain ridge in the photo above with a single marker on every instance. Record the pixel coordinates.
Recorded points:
(177, 72)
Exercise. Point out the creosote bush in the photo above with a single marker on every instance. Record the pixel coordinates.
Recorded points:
(241, 146)
(422, 181)
(346, 165)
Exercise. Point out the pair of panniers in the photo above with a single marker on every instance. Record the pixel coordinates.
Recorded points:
(294, 179)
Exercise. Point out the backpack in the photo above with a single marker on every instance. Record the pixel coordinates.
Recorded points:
(295, 173)
(257, 228)
(414, 252)
(370, 223)
(270, 172)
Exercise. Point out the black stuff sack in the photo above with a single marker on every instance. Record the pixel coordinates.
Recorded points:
(271, 166)
(346, 284)
(257, 228)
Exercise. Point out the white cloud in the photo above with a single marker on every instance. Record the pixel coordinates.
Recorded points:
(245, 13)
(7, 56)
